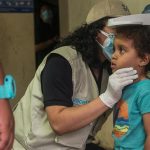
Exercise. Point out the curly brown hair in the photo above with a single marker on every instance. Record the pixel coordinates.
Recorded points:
(83, 40)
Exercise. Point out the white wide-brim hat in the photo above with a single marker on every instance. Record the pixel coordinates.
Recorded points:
(104, 8)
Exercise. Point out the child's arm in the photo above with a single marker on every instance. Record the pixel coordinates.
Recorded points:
(146, 119)
(6, 121)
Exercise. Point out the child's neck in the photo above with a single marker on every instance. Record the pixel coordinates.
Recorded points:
(141, 77)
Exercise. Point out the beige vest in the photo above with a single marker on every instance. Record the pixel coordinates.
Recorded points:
(33, 130)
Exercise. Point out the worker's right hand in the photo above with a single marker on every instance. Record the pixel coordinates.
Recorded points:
(117, 81)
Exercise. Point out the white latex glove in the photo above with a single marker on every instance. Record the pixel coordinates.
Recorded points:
(117, 81)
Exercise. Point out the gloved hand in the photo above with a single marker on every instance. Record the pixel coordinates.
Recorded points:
(117, 81)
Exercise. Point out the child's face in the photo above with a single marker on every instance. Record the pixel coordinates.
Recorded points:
(125, 55)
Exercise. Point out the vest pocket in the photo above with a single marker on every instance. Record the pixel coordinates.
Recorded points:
(76, 139)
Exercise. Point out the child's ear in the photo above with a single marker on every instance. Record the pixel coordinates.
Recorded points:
(145, 60)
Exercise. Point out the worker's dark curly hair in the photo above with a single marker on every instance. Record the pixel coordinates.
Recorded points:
(141, 39)
(83, 40)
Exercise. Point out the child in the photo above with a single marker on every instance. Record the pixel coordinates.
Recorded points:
(132, 113)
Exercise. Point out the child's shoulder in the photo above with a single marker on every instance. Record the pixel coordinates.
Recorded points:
(145, 82)
(144, 85)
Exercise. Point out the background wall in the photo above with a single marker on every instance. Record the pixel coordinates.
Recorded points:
(17, 48)
(73, 13)
(136, 6)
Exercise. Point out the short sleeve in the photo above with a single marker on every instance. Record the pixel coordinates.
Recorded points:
(144, 102)
(56, 81)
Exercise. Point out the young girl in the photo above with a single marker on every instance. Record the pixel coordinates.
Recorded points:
(132, 113)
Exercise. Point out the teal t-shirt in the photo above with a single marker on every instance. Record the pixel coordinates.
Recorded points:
(128, 132)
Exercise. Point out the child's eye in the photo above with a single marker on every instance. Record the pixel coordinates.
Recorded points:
(122, 50)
